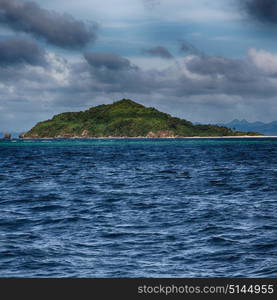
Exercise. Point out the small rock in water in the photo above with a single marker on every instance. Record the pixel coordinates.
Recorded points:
(7, 135)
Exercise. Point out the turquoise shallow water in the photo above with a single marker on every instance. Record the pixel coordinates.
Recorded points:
(135, 141)
(138, 208)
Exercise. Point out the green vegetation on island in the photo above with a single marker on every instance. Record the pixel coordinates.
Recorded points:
(124, 118)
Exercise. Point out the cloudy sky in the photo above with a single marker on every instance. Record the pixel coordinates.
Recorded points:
(207, 62)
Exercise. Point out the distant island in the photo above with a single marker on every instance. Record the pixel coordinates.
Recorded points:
(269, 129)
(125, 118)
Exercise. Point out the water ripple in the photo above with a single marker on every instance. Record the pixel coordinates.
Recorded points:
(138, 208)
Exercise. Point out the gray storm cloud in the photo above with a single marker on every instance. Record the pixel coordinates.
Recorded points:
(187, 48)
(214, 75)
(108, 60)
(21, 51)
(231, 69)
(261, 10)
(58, 29)
(158, 51)
(113, 73)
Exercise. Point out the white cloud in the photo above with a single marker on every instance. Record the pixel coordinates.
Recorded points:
(264, 60)
(59, 69)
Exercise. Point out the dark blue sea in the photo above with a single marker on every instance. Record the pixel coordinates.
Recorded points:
(138, 208)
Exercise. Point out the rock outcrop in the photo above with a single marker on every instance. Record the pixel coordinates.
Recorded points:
(161, 134)
(21, 135)
(85, 133)
(7, 135)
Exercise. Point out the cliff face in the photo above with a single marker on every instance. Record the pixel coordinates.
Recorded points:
(124, 118)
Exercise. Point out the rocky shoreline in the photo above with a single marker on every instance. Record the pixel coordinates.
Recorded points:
(165, 134)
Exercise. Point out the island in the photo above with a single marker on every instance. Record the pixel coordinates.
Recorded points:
(125, 119)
